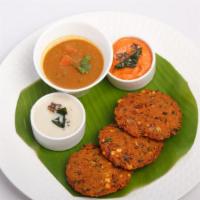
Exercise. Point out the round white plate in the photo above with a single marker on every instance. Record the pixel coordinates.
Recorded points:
(21, 165)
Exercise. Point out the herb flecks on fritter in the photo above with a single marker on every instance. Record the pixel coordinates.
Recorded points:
(148, 113)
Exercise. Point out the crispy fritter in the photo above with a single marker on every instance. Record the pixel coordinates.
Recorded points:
(90, 174)
(126, 151)
(148, 113)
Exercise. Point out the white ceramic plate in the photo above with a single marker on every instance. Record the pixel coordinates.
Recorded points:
(24, 169)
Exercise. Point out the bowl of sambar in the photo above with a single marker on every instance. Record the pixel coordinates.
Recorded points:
(72, 57)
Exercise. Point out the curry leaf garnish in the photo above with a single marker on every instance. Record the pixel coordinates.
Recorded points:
(131, 61)
(62, 111)
(59, 121)
(85, 65)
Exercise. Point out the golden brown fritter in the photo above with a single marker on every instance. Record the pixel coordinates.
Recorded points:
(148, 113)
(90, 174)
(126, 151)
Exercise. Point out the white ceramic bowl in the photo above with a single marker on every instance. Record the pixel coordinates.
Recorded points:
(137, 83)
(58, 143)
(63, 29)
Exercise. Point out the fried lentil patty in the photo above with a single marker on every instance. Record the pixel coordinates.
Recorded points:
(90, 174)
(148, 113)
(126, 151)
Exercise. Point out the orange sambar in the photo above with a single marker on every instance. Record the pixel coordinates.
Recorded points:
(123, 45)
(62, 62)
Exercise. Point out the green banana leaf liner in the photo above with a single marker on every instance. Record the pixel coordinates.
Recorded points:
(99, 104)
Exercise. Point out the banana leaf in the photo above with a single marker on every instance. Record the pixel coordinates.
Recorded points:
(99, 104)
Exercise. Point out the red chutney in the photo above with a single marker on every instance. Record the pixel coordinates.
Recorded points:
(124, 46)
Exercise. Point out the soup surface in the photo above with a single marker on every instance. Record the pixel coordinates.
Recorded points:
(73, 63)
(132, 58)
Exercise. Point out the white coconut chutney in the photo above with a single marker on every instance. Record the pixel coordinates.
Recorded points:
(43, 117)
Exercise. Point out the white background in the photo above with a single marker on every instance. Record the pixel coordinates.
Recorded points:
(19, 18)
